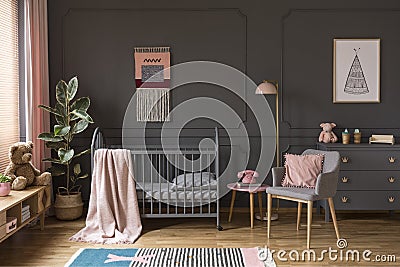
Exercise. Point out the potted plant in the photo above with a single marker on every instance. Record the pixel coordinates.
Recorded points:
(5, 185)
(72, 118)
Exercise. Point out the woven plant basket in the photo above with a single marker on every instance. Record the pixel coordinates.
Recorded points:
(68, 207)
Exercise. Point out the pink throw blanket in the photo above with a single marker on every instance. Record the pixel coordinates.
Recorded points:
(113, 215)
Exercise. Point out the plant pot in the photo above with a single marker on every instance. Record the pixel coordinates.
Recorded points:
(5, 189)
(68, 207)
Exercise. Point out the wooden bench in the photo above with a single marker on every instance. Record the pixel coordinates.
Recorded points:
(37, 197)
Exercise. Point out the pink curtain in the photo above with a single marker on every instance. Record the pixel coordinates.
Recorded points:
(36, 77)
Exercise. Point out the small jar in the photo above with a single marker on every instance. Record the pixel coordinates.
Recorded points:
(345, 138)
(357, 138)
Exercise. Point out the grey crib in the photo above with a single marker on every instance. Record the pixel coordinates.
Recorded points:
(169, 186)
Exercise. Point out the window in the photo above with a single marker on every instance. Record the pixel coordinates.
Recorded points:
(9, 78)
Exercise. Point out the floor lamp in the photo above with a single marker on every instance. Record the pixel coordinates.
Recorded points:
(270, 87)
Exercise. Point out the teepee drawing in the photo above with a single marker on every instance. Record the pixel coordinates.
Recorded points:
(356, 83)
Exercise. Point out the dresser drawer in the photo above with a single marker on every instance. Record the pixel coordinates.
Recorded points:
(369, 160)
(369, 180)
(367, 200)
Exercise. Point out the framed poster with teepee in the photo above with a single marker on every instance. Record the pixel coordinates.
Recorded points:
(356, 70)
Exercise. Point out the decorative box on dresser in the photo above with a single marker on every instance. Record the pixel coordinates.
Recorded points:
(369, 177)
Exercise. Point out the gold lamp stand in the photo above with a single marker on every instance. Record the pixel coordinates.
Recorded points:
(270, 87)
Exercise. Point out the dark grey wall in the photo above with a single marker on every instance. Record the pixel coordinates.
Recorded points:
(290, 41)
(307, 54)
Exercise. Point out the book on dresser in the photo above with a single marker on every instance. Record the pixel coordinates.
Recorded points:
(25, 216)
(369, 177)
(25, 213)
(25, 208)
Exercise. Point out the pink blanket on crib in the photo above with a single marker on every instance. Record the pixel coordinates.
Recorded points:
(113, 215)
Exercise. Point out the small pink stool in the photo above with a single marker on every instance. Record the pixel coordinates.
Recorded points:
(251, 189)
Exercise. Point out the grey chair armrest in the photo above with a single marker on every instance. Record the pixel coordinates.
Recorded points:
(277, 175)
(326, 184)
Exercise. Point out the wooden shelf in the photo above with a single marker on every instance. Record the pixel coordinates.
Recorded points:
(38, 198)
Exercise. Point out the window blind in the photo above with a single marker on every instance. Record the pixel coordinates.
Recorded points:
(9, 78)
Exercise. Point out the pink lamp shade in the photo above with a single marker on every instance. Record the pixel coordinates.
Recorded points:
(267, 88)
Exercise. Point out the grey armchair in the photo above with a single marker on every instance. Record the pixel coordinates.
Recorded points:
(325, 189)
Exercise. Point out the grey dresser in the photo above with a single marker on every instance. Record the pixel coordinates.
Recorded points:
(369, 177)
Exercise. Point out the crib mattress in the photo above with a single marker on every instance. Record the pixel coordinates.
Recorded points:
(164, 192)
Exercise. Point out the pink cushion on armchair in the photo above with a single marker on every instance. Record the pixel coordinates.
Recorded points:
(302, 170)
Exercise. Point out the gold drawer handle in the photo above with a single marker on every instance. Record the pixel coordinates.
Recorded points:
(345, 179)
(392, 159)
(391, 199)
(391, 180)
(345, 159)
(345, 199)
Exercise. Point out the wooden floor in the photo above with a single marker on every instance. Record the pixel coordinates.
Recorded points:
(379, 233)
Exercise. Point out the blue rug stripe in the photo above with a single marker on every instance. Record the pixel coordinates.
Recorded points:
(95, 257)
(171, 257)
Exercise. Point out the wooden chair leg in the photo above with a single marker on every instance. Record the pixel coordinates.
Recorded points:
(309, 221)
(299, 206)
(333, 213)
(269, 211)
(260, 204)
(232, 203)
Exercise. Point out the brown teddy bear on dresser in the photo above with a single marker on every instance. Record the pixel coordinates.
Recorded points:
(20, 169)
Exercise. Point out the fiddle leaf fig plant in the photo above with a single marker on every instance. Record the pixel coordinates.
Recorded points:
(72, 118)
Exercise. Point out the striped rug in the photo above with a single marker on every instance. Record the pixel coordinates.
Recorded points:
(173, 257)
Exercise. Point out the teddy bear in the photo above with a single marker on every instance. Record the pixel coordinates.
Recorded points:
(327, 135)
(21, 170)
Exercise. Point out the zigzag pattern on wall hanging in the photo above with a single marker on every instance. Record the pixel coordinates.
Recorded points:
(152, 60)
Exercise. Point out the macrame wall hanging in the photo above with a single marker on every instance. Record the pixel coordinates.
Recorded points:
(152, 76)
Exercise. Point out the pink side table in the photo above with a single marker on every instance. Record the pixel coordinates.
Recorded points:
(251, 189)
